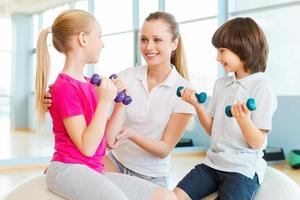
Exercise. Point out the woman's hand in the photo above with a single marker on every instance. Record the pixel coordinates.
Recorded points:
(124, 134)
(47, 99)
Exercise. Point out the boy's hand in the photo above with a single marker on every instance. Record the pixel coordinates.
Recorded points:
(189, 96)
(240, 110)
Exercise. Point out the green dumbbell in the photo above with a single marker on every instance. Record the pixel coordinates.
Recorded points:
(201, 97)
(250, 105)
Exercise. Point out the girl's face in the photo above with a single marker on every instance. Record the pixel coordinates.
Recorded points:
(156, 43)
(231, 62)
(94, 43)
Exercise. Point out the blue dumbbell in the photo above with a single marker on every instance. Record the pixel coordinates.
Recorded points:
(121, 96)
(201, 97)
(250, 105)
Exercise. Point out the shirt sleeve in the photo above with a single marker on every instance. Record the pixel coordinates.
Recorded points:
(124, 76)
(68, 102)
(266, 105)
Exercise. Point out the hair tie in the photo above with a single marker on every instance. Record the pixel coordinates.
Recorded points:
(49, 29)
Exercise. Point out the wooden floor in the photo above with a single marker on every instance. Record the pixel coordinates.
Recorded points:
(24, 155)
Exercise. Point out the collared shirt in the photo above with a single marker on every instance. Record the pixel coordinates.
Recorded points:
(229, 151)
(148, 116)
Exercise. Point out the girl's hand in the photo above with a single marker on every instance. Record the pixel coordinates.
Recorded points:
(47, 99)
(189, 96)
(240, 110)
(120, 85)
(107, 90)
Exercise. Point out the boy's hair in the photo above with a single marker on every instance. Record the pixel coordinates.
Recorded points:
(178, 56)
(246, 39)
(69, 23)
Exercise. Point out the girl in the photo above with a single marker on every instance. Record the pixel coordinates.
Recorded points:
(80, 116)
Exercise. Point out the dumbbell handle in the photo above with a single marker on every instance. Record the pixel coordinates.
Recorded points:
(201, 97)
(250, 105)
(121, 96)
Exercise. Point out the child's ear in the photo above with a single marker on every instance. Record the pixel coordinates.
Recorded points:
(82, 38)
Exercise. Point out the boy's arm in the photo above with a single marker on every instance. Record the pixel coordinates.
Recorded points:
(206, 121)
(254, 137)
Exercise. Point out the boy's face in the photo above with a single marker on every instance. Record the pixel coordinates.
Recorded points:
(231, 62)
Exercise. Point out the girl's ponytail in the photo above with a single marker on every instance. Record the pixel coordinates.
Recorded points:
(42, 74)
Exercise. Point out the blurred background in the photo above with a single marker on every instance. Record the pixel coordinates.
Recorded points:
(22, 20)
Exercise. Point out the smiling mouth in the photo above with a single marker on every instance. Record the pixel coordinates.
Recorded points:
(151, 55)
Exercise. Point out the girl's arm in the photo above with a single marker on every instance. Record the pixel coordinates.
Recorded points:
(188, 95)
(88, 138)
(116, 119)
(254, 137)
(176, 126)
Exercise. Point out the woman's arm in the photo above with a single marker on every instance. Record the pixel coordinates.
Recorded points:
(176, 126)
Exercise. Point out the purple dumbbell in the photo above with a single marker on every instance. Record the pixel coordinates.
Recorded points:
(121, 96)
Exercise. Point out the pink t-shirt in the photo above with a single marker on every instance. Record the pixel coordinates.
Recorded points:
(71, 97)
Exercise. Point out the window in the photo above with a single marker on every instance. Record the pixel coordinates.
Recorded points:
(283, 68)
(5, 56)
(198, 21)
(117, 35)
(5, 69)
(191, 9)
(116, 55)
(200, 54)
(145, 8)
(83, 5)
(114, 15)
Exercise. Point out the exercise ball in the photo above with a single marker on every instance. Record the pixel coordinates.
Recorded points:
(294, 159)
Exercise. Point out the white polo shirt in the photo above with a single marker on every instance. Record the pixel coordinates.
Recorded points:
(148, 116)
(229, 151)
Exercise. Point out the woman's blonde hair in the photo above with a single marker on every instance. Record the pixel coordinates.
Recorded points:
(68, 23)
(178, 56)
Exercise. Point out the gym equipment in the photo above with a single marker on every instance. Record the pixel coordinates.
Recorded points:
(250, 105)
(121, 96)
(201, 97)
(293, 158)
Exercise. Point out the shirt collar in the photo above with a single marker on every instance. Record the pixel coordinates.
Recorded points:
(169, 81)
(246, 81)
